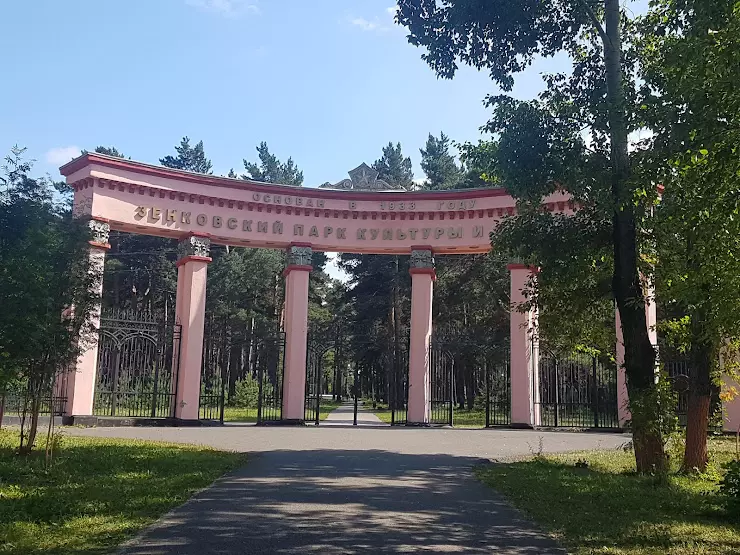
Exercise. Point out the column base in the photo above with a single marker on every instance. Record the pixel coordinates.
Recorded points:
(129, 422)
(286, 422)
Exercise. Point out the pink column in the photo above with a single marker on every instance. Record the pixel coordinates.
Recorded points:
(81, 379)
(422, 286)
(296, 331)
(651, 316)
(190, 311)
(524, 390)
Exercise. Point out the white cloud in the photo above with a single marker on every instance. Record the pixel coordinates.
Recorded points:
(227, 8)
(62, 154)
(366, 25)
(376, 24)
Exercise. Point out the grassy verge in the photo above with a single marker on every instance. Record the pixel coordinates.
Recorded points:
(236, 414)
(475, 418)
(606, 508)
(97, 493)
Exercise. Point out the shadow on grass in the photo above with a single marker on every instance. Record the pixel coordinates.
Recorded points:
(98, 491)
(608, 509)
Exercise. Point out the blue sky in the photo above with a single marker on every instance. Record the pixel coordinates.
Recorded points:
(328, 82)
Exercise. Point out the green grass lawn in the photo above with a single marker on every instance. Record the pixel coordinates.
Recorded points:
(97, 493)
(236, 414)
(475, 418)
(606, 508)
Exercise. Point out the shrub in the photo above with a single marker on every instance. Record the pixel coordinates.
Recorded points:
(247, 393)
(730, 486)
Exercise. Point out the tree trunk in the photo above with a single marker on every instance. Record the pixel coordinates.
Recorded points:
(704, 354)
(696, 457)
(639, 355)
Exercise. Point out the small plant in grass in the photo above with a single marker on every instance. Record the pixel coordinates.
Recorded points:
(730, 487)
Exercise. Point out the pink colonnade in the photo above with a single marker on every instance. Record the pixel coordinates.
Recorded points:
(199, 210)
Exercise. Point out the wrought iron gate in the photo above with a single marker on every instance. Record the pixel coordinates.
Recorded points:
(441, 382)
(242, 368)
(470, 379)
(315, 355)
(576, 390)
(138, 359)
(270, 364)
(399, 385)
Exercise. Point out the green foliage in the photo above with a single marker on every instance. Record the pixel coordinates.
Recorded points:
(439, 165)
(271, 170)
(730, 486)
(394, 167)
(44, 269)
(247, 393)
(98, 492)
(188, 158)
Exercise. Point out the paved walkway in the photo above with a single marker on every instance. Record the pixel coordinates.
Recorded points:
(345, 416)
(343, 490)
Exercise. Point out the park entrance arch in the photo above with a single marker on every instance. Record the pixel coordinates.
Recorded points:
(357, 215)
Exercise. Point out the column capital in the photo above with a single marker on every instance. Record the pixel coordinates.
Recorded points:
(99, 233)
(300, 257)
(422, 262)
(194, 247)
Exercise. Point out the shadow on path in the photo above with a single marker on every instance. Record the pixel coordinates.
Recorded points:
(345, 502)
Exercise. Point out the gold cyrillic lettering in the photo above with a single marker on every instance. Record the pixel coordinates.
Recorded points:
(217, 221)
(361, 234)
(231, 223)
(171, 215)
(341, 233)
(247, 225)
(185, 218)
(261, 227)
(140, 212)
(314, 231)
(387, 234)
(374, 234)
(277, 228)
(298, 230)
(328, 231)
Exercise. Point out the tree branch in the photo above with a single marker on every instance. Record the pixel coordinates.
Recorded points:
(595, 20)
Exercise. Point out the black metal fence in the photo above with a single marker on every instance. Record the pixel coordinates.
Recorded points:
(17, 397)
(138, 358)
(470, 378)
(242, 369)
(577, 390)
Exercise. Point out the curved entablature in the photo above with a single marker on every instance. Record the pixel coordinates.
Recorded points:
(153, 200)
